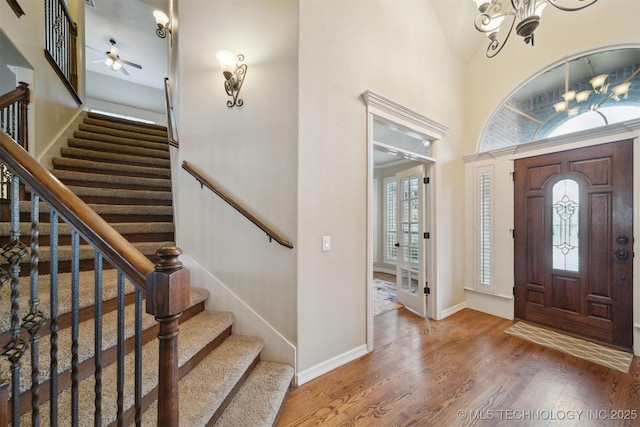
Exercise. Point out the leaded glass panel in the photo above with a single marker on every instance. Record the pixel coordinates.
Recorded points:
(566, 225)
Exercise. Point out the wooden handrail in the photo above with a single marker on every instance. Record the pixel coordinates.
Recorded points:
(170, 117)
(204, 180)
(21, 93)
(115, 248)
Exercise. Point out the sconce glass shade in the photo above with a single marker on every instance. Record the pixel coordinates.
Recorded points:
(161, 18)
(227, 62)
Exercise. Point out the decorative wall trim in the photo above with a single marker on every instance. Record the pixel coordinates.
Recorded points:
(453, 310)
(384, 107)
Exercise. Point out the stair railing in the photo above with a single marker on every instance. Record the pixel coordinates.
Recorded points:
(204, 180)
(165, 286)
(14, 106)
(172, 133)
(60, 34)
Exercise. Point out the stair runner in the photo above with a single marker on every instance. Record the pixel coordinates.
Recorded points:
(122, 170)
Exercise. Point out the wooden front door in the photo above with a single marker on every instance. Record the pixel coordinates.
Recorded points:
(574, 241)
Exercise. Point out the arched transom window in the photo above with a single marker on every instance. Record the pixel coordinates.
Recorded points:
(584, 92)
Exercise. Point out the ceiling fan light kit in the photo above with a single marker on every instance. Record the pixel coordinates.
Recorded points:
(113, 61)
(234, 72)
(524, 15)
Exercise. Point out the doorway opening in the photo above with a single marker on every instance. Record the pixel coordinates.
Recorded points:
(402, 142)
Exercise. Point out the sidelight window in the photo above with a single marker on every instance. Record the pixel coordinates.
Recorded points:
(484, 229)
(566, 225)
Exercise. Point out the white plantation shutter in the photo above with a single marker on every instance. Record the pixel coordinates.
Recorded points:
(390, 251)
(484, 228)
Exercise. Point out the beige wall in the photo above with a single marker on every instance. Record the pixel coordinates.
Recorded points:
(52, 108)
(251, 151)
(346, 47)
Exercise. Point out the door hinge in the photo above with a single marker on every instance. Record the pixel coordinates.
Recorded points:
(513, 175)
(425, 180)
(427, 235)
(514, 290)
(427, 291)
(513, 233)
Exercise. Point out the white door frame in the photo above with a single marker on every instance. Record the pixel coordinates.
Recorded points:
(392, 112)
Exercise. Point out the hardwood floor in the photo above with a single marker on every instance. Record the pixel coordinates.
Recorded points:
(463, 371)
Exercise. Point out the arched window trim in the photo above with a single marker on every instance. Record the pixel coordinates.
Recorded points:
(532, 77)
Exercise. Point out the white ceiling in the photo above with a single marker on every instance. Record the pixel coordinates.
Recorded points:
(131, 24)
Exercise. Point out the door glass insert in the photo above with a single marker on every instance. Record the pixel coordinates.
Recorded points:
(565, 225)
(409, 203)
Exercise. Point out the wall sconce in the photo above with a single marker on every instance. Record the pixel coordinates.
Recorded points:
(234, 72)
(162, 20)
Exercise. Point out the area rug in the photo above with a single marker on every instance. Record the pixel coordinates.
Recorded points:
(604, 356)
(384, 297)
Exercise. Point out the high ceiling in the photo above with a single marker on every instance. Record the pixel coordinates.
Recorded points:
(131, 24)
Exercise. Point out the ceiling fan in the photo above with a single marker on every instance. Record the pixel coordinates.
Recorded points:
(113, 60)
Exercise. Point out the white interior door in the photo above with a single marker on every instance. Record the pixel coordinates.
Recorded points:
(410, 264)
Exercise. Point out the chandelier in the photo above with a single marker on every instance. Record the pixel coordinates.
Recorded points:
(524, 15)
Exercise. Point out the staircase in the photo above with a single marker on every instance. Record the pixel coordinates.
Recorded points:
(121, 169)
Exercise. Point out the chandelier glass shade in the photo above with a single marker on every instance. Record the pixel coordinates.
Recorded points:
(497, 18)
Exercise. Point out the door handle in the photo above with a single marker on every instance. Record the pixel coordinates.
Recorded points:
(621, 253)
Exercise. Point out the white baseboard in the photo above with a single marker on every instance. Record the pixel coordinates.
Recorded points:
(452, 310)
(331, 364)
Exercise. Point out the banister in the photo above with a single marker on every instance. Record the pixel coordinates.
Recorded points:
(170, 116)
(21, 93)
(204, 180)
(122, 254)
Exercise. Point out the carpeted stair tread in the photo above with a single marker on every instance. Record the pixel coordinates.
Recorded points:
(86, 345)
(86, 299)
(195, 334)
(161, 183)
(86, 251)
(113, 119)
(79, 153)
(130, 142)
(100, 209)
(62, 162)
(129, 127)
(258, 401)
(64, 229)
(122, 133)
(120, 193)
(88, 144)
(205, 388)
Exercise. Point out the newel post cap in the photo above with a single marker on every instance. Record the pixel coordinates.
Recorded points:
(169, 285)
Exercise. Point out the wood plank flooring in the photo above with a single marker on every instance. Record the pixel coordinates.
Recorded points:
(463, 371)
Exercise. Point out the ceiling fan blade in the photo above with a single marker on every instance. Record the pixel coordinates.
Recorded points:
(93, 48)
(124, 71)
(95, 61)
(131, 64)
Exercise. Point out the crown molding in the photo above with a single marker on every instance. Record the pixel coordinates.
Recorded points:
(385, 108)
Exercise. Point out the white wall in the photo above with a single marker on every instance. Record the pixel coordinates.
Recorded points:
(346, 47)
(251, 151)
(51, 108)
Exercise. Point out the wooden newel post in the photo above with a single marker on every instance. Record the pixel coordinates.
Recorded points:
(167, 297)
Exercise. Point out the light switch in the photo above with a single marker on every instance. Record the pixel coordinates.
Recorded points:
(326, 243)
